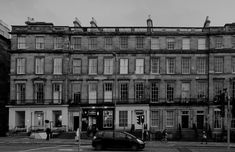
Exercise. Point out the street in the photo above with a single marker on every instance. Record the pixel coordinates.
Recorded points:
(168, 147)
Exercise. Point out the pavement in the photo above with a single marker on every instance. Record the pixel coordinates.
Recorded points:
(27, 140)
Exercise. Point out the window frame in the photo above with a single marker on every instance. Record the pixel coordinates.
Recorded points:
(92, 66)
(170, 67)
(58, 71)
(126, 67)
(123, 118)
(77, 68)
(186, 45)
(21, 69)
(185, 65)
(219, 64)
(21, 42)
(39, 67)
(139, 69)
(108, 69)
(76, 42)
(40, 42)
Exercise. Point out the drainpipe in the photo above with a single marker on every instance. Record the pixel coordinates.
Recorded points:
(208, 77)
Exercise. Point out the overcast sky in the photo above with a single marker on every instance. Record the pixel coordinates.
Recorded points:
(119, 12)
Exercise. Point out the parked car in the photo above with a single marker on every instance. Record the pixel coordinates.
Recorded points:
(116, 139)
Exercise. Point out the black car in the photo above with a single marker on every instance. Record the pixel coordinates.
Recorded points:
(116, 139)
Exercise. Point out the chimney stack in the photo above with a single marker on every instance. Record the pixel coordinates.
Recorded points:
(149, 22)
(76, 22)
(207, 22)
(93, 22)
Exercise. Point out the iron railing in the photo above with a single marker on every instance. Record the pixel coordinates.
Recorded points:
(112, 102)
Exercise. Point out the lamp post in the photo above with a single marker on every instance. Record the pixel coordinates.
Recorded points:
(115, 86)
(228, 119)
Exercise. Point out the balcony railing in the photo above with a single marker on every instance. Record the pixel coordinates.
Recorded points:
(112, 102)
(180, 101)
(37, 102)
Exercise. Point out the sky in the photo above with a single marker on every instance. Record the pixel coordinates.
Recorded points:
(119, 12)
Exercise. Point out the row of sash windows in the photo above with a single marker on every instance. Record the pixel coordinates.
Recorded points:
(201, 65)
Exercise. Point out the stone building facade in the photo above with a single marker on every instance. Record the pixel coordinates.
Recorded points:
(108, 76)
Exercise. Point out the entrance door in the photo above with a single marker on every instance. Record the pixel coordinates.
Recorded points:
(200, 121)
(75, 122)
(185, 121)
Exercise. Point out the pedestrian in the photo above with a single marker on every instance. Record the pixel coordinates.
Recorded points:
(48, 132)
(204, 137)
(164, 135)
(77, 137)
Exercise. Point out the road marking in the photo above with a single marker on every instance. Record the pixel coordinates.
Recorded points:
(43, 148)
(65, 149)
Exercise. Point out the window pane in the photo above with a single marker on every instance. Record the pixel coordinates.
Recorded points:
(155, 44)
(108, 92)
(92, 43)
(155, 118)
(57, 66)
(40, 42)
(20, 92)
(171, 44)
(108, 66)
(20, 69)
(108, 42)
(123, 119)
(155, 63)
(170, 88)
(169, 118)
(155, 92)
(21, 42)
(123, 66)
(92, 66)
(219, 64)
(139, 91)
(123, 42)
(170, 65)
(39, 92)
(201, 65)
(186, 44)
(139, 66)
(57, 93)
(107, 119)
(76, 93)
(39, 65)
(186, 65)
(201, 44)
(58, 43)
(124, 92)
(76, 43)
(139, 42)
(77, 66)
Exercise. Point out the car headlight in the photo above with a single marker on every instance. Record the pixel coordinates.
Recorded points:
(140, 141)
(94, 137)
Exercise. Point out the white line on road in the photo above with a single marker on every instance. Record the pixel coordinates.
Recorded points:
(43, 148)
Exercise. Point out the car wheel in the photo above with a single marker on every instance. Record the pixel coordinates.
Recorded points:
(98, 147)
(134, 147)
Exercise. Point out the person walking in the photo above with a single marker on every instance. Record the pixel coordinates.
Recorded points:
(164, 135)
(48, 132)
(204, 137)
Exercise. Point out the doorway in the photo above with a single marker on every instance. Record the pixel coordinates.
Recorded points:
(75, 122)
(200, 121)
